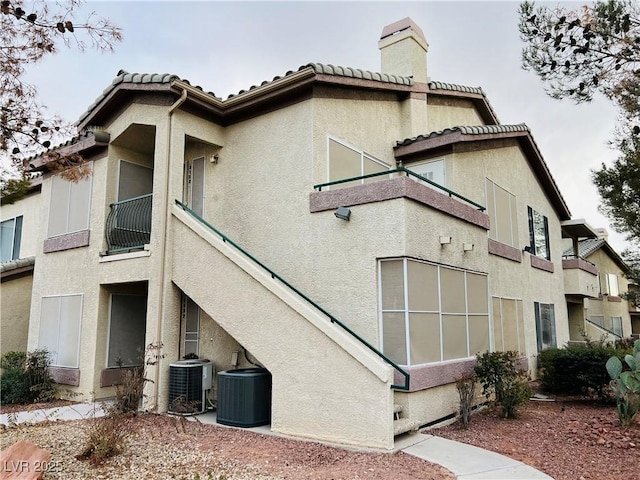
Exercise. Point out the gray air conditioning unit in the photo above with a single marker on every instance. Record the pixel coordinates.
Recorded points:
(244, 397)
(189, 381)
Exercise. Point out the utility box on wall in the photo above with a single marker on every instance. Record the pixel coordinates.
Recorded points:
(244, 397)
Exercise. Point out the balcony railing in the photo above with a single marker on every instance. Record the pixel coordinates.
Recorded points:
(408, 173)
(128, 224)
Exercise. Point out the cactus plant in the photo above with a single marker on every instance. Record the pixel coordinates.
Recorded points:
(626, 384)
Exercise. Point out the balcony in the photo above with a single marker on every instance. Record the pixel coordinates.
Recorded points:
(408, 184)
(128, 225)
(580, 277)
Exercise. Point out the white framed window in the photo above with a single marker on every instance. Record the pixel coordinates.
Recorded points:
(433, 170)
(127, 330)
(616, 325)
(347, 161)
(503, 218)
(191, 318)
(545, 325)
(69, 206)
(538, 234)
(10, 238)
(60, 323)
(612, 285)
(508, 324)
(431, 313)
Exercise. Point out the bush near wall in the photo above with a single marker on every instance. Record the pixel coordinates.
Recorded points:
(578, 369)
(25, 377)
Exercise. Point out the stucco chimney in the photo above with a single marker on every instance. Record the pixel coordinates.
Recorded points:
(403, 50)
(602, 233)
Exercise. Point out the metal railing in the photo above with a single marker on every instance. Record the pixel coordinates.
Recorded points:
(409, 173)
(275, 276)
(576, 257)
(128, 225)
(602, 327)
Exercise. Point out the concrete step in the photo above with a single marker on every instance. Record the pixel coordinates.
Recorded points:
(404, 425)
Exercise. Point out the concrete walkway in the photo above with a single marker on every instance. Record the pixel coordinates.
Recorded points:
(465, 461)
(77, 411)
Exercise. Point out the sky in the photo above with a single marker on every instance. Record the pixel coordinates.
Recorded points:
(226, 47)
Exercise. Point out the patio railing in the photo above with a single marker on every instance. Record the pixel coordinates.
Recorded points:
(408, 173)
(128, 225)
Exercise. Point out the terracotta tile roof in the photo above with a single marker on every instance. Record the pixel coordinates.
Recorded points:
(592, 245)
(124, 77)
(587, 247)
(468, 130)
(452, 87)
(15, 264)
(454, 135)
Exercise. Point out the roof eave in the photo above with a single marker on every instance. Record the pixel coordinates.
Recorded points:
(89, 144)
(526, 142)
(480, 101)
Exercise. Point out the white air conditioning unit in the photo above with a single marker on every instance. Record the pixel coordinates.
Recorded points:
(189, 381)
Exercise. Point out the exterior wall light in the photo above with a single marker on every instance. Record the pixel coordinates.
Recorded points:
(343, 213)
(445, 240)
(467, 247)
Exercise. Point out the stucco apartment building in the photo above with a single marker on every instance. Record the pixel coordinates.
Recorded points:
(603, 313)
(362, 235)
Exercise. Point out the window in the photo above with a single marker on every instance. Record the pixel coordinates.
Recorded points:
(539, 234)
(545, 325)
(616, 325)
(191, 316)
(433, 170)
(612, 285)
(69, 206)
(10, 236)
(508, 324)
(501, 207)
(60, 319)
(348, 162)
(597, 319)
(431, 313)
(134, 180)
(127, 328)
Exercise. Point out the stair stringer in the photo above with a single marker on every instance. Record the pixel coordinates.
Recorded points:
(326, 385)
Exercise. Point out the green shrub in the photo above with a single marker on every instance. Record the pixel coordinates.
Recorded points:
(577, 369)
(500, 375)
(14, 386)
(25, 377)
(516, 392)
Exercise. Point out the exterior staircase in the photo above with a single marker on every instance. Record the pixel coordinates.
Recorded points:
(322, 375)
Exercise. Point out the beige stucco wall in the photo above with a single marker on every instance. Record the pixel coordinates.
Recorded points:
(83, 270)
(448, 113)
(509, 169)
(15, 302)
(31, 208)
(611, 308)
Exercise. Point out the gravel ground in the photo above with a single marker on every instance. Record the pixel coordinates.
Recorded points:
(163, 447)
(568, 440)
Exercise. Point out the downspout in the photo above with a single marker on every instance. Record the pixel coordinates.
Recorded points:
(163, 241)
